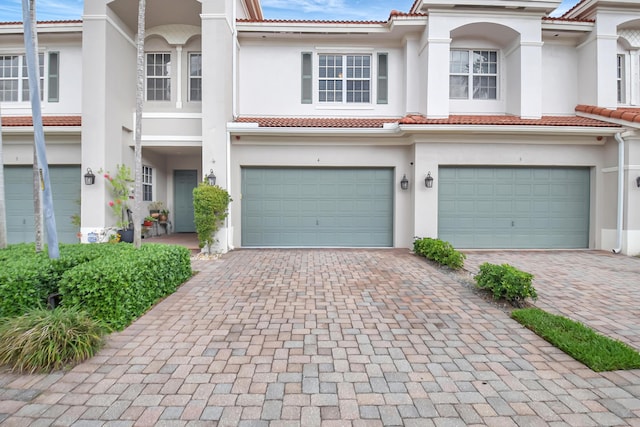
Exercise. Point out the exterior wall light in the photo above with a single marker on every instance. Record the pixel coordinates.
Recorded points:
(211, 178)
(89, 177)
(638, 181)
(404, 183)
(428, 181)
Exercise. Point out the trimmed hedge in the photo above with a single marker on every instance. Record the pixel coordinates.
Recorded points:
(118, 288)
(506, 281)
(439, 251)
(27, 278)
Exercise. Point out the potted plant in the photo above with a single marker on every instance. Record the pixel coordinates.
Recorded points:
(148, 221)
(164, 215)
(120, 191)
(155, 208)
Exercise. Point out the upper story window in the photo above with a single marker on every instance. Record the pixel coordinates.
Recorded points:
(620, 79)
(473, 74)
(195, 76)
(14, 80)
(158, 77)
(344, 78)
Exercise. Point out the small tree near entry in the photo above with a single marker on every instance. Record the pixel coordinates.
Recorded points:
(210, 206)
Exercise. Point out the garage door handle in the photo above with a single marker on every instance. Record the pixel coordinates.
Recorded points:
(513, 223)
(317, 222)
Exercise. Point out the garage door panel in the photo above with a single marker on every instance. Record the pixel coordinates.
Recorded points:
(320, 207)
(514, 207)
(65, 184)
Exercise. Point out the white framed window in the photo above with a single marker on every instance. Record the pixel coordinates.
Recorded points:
(620, 79)
(344, 79)
(473, 74)
(147, 184)
(195, 76)
(14, 80)
(158, 77)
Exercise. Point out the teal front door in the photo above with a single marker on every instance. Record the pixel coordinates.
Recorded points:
(184, 183)
(65, 184)
(317, 207)
(519, 208)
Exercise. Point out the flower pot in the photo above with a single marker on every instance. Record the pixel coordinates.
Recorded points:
(162, 218)
(126, 236)
(147, 223)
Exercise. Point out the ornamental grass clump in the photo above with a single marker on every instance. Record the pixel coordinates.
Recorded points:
(46, 340)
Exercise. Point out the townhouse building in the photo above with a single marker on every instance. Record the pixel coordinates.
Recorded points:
(487, 124)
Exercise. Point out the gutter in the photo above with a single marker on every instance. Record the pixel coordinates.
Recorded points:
(620, 217)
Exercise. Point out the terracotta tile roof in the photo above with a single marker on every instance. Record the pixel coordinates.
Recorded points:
(313, 122)
(65, 21)
(25, 121)
(627, 114)
(563, 19)
(304, 21)
(494, 120)
(418, 119)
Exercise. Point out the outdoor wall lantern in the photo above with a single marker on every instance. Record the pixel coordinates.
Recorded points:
(211, 178)
(89, 177)
(428, 181)
(638, 181)
(404, 183)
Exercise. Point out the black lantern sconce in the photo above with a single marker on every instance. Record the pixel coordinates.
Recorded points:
(404, 182)
(428, 181)
(211, 178)
(638, 181)
(89, 177)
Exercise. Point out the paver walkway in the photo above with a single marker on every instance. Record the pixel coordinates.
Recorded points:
(594, 287)
(325, 338)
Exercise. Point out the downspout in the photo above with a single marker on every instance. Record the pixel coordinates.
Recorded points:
(618, 248)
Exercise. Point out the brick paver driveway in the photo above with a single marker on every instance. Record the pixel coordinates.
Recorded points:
(324, 337)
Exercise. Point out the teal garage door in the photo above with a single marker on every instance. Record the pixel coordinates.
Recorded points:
(305, 207)
(65, 184)
(520, 208)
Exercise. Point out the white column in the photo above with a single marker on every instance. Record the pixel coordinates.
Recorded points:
(438, 77)
(531, 80)
(179, 81)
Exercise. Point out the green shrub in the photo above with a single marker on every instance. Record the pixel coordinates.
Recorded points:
(44, 340)
(27, 278)
(121, 286)
(506, 281)
(439, 251)
(210, 204)
(598, 352)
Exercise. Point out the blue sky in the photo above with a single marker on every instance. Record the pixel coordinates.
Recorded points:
(377, 10)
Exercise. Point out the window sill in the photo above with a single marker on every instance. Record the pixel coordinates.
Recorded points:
(344, 107)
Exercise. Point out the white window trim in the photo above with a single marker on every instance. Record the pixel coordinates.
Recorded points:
(147, 76)
(344, 103)
(470, 74)
(44, 84)
(190, 77)
(621, 79)
(147, 176)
